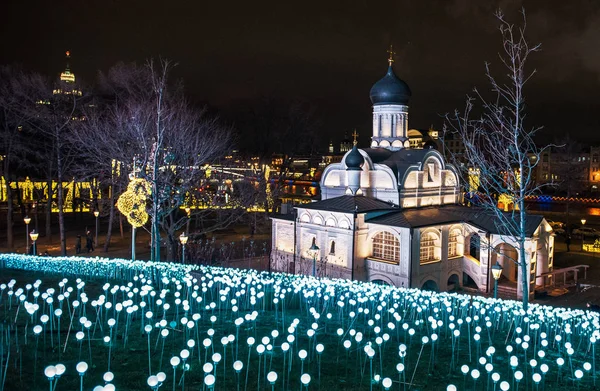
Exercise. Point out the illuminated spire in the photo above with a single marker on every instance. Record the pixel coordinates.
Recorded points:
(391, 52)
(67, 76)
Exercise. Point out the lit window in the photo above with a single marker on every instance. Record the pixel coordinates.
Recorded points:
(386, 247)
(428, 248)
(455, 243)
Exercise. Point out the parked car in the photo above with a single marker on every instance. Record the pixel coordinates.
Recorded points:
(558, 227)
(586, 232)
(556, 224)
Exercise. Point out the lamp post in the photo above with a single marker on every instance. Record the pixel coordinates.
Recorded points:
(496, 273)
(183, 238)
(96, 214)
(188, 210)
(27, 220)
(583, 221)
(314, 251)
(34, 236)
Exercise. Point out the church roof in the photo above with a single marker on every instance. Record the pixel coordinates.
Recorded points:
(390, 90)
(350, 204)
(448, 214)
(397, 161)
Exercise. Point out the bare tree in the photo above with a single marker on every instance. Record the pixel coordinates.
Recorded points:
(53, 108)
(150, 129)
(499, 143)
(12, 143)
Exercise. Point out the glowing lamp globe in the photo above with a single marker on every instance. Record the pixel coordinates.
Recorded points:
(50, 372)
(305, 379)
(108, 377)
(451, 387)
(175, 361)
(27, 220)
(496, 271)
(209, 380)
(152, 381)
(161, 376)
(207, 368)
(504, 386)
(518, 376)
(96, 213)
(60, 369)
(81, 367)
(272, 377)
(183, 238)
(386, 383)
(34, 235)
(238, 365)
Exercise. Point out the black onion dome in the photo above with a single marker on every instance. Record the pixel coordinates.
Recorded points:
(354, 160)
(390, 90)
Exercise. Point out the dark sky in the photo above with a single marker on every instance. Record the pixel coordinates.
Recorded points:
(328, 52)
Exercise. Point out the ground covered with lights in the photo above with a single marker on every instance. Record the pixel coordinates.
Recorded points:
(99, 324)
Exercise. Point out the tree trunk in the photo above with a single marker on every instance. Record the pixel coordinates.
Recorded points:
(59, 198)
(111, 216)
(9, 217)
(49, 212)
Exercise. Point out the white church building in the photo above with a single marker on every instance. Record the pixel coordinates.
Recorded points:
(391, 214)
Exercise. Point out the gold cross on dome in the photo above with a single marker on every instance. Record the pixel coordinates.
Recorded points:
(355, 136)
(391, 52)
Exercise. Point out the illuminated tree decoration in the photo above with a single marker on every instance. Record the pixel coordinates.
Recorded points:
(132, 203)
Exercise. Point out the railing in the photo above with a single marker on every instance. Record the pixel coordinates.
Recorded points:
(565, 272)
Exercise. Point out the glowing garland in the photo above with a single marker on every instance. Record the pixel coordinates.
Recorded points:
(132, 203)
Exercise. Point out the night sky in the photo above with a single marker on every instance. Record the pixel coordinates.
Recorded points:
(328, 53)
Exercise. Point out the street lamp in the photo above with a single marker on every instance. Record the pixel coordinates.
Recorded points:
(27, 220)
(183, 238)
(496, 273)
(96, 214)
(314, 251)
(34, 236)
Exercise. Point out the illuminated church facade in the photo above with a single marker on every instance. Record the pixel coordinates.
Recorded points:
(392, 214)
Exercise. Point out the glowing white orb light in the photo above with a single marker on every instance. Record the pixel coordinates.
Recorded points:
(175, 361)
(272, 377)
(50, 372)
(238, 365)
(386, 383)
(81, 367)
(305, 379)
(152, 381)
(504, 386)
(209, 380)
(451, 387)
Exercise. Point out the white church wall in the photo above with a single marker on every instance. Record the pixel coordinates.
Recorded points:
(388, 272)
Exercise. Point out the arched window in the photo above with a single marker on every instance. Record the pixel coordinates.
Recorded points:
(332, 248)
(474, 246)
(455, 243)
(386, 247)
(429, 247)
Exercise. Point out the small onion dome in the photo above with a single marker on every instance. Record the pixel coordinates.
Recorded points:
(390, 90)
(354, 160)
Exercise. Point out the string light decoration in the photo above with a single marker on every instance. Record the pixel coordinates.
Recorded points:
(132, 203)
